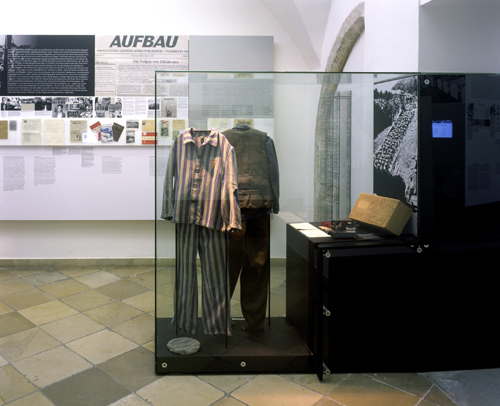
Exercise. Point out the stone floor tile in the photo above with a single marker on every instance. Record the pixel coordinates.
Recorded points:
(34, 399)
(328, 402)
(230, 401)
(72, 327)
(51, 366)
(13, 385)
(275, 390)
(311, 381)
(150, 346)
(26, 343)
(146, 279)
(122, 289)
(3, 361)
(101, 346)
(437, 396)
(27, 298)
(361, 390)
(44, 278)
(165, 276)
(64, 288)
(113, 313)
(47, 312)
(416, 384)
(91, 387)
(227, 383)
(145, 301)
(13, 322)
(97, 279)
(20, 272)
(470, 387)
(73, 272)
(87, 300)
(140, 330)
(127, 272)
(11, 286)
(6, 275)
(167, 289)
(180, 391)
(130, 400)
(4, 308)
(133, 369)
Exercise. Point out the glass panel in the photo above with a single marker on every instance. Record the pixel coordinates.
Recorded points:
(314, 132)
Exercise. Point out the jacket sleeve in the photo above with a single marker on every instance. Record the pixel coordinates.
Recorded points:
(274, 174)
(168, 204)
(231, 212)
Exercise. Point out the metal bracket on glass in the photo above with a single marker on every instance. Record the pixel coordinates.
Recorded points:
(326, 312)
(420, 248)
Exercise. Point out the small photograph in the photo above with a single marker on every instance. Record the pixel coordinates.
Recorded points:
(169, 107)
(130, 136)
(101, 106)
(59, 110)
(79, 107)
(132, 124)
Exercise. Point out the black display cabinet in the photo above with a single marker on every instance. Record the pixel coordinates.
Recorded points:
(394, 304)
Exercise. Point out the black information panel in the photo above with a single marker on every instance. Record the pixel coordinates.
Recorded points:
(42, 65)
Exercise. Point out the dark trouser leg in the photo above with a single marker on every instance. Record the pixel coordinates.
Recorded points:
(249, 258)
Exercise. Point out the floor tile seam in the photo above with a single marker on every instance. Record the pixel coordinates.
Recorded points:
(28, 394)
(444, 392)
(86, 370)
(399, 389)
(118, 382)
(10, 307)
(133, 318)
(227, 393)
(330, 400)
(137, 294)
(60, 380)
(38, 288)
(45, 351)
(229, 397)
(65, 344)
(426, 400)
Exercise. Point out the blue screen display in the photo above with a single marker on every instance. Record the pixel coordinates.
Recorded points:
(442, 129)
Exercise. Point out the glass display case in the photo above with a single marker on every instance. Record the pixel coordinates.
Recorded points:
(240, 155)
(221, 292)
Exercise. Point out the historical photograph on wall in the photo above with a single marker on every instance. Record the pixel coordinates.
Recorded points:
(395, 144)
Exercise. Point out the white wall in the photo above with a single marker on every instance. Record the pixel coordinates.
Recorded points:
(127, 239)
(451, 38)
(460, 37)
(391, 36)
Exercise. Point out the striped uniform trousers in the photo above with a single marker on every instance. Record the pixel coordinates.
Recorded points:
(212, 247)
(201, 196)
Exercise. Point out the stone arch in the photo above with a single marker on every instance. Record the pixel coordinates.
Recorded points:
(326, 162)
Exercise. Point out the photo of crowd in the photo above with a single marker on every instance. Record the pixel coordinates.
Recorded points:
(396, 139)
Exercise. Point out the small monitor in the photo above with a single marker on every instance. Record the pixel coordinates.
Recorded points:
(442, 129)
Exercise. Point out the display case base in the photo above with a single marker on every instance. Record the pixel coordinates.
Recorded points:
(276, 349)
